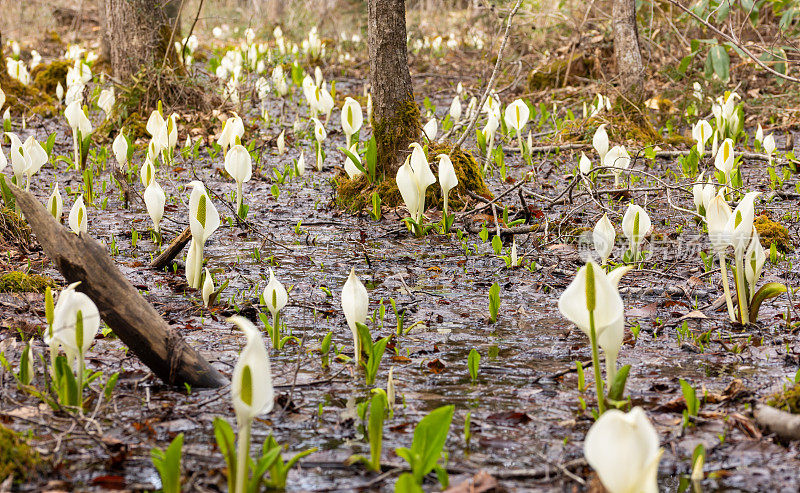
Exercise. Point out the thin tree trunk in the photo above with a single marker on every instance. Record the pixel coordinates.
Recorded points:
(138, 33)
(395, 115)
(628, 55)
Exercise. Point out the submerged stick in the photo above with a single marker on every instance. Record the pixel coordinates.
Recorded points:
(130, 316)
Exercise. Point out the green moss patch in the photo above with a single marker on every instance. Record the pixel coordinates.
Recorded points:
(46, 77)
(25, 99)
(16, 456)
(20, 282)
(771, 232)
(786, 400)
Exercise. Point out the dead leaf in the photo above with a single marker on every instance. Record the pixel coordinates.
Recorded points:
(482, 482)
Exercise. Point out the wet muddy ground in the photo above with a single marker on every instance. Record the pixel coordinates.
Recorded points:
(527, 420)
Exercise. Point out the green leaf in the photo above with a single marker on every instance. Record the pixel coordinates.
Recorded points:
(473, 363)
(689, 395)
(371, 157)
(721, 62)
(430, 436)
(377, 409)
(168, 465)
(406, 484)
(352, 157)
(767, 291)
(617, 390)
(108, 388)
(227, 446)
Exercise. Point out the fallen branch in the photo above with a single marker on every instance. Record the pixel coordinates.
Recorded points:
(83, 259)
(172, 250)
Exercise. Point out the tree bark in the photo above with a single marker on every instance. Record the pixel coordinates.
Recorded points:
(139, 32)
(395, 116)
(630, 68)
(130, 316)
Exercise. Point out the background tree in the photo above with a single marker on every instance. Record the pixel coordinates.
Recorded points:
(395, 115)
(627, 53)
(138, 33)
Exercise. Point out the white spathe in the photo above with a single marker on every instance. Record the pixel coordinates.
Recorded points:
(251, 382)
(154, 200)
(604, 237)
(77, 217)
(355, 304)
(623, 449)
(275, 295)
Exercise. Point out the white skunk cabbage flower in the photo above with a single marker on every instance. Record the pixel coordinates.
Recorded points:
(203, 221)
(352, 118)
(604, 237)
(413, 179)
(275, 295)
(55, 204)
(635, 226)
(232, 128)
(447, 177)
(431, 129)
(600, 142)
(76, 321)
(154, 200)
(208, 288)
(584, 165)
(281, 143)
(516, 115)
(623, 449)
(120, 148)
(455, 109)
(106, 101)
(701, 132)
(355, 303)
(77, 217)
(618, 160)
(239, 165)
(349, 166)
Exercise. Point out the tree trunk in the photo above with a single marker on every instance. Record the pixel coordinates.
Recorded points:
(139, 33)
(395, 116)
(630, 69)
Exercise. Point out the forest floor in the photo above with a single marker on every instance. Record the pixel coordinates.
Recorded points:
(527, 417)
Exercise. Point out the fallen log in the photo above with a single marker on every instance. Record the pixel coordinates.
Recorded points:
(130, 316)
(172, 250)
(783, 424)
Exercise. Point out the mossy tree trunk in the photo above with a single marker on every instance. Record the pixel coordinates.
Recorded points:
(630, 68)
(138, 33)
(395, 115)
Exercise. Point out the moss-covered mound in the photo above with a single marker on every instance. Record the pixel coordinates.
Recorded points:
(786, 400)
(574, 69)
(771, 232)
(46, 77)
(356, 194)
(23, 98)
(20, 282)
(16, 456)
